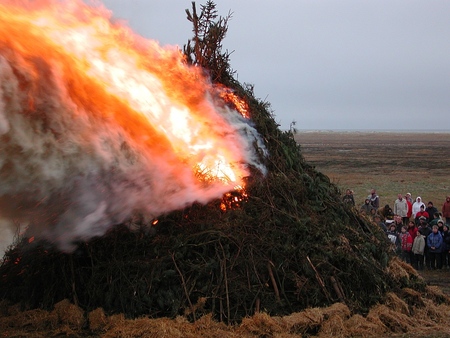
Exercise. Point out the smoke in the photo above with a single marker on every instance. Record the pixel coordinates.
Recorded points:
(86, 143)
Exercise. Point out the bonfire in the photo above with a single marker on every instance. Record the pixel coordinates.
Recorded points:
(152, 184)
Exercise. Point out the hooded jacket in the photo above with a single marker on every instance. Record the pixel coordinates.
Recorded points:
(416, 206)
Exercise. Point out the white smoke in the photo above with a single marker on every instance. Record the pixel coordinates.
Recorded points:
(71, 174)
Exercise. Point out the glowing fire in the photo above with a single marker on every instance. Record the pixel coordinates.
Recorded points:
(230, 97)
(97, 123)
(158, 93)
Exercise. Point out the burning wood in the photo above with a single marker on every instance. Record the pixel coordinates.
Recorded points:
(98, 123)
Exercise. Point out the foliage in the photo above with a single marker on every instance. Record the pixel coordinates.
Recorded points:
(205, 49)
(290, 246)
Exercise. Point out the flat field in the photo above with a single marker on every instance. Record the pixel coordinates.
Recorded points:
(390, 162)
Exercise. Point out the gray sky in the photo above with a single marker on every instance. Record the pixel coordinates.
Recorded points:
(342, 64)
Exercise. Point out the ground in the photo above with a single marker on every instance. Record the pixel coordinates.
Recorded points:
(390, 162)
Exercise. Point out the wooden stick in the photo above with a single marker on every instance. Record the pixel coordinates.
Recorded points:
(319, 279)
(184, 286)
(274, 283)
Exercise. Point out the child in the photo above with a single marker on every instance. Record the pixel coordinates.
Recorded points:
(406, 243)
(393, 236)
(418, 250)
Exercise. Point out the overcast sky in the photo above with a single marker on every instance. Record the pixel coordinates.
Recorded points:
(341, 64)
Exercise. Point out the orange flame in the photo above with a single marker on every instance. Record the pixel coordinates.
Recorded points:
(98, 124)
(159, 102)
(238, 103)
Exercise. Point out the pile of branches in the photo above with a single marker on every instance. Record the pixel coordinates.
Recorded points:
(290, 245)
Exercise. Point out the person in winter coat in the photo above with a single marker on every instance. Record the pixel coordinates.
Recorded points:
(416, 206)
(393, 236)
(425, 230)
(435, 243)
(374, 199)
(348, 198)
(406, 244)
(413, 231)
(446, 247)
(446, 210)
(366, 208)
(431, 209)
(418, 250)
(408, 215)
(401, 208)
(421, 213)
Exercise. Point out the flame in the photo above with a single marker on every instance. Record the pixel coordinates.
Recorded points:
(97, 111)
(230, 97)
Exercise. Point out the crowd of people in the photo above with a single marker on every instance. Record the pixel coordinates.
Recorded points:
(419, 233)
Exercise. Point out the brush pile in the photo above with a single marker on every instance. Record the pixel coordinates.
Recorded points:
(287, 246)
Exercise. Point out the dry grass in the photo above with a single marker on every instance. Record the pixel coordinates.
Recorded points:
(392, 163)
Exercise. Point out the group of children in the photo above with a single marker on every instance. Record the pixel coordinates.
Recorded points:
(420, 234)
(423, 244)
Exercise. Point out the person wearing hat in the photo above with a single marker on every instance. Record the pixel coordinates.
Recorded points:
(416, 206)
(436, 218)
(409, 198)
(431, 209)
(440, 224)
(422, 213)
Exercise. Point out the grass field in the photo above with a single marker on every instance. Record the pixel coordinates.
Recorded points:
(390, 162)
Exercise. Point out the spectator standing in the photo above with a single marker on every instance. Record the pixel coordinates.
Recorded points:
(409, 202)
(377, 220)
(406, 244)
(348, 198)
(431, 209)
(435, 243)
(393, 236)
(398, 223)
(425, 230)
(418, 250)
(421, 213)
(416, 206)
(387, 212)
(401, 208)
(374, 199)
(446, 247)
(409, 198)
(366, 208)
(436, 218)
(446, 210)
(413, 231)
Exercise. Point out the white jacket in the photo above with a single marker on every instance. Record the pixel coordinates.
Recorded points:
(416, 206)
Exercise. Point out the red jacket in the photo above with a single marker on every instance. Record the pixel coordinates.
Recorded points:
(413, 232)
(407, 241)
(423, 213)
(409, 209)
(446, 209)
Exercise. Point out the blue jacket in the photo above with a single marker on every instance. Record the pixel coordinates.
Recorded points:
(435, 240)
